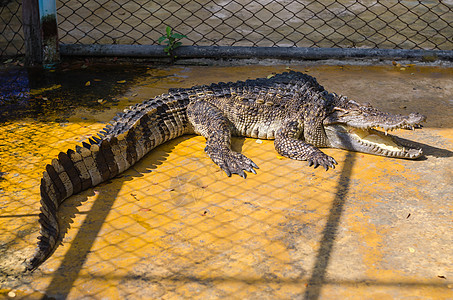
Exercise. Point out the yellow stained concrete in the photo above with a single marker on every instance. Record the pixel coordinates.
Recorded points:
(175, 226)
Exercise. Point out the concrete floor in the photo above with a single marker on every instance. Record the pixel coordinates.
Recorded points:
(175, 226)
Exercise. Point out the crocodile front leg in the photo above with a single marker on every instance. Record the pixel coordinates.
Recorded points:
(208, 121)
(287, 144)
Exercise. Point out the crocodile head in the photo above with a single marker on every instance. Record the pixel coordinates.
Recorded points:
(363, 128)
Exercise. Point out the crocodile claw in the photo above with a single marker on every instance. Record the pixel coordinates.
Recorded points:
(321, 159)
(231, 162)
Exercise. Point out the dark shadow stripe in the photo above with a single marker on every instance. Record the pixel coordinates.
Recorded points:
(68, 272)
(318, 275)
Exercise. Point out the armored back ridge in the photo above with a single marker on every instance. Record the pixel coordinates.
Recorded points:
(291, 108)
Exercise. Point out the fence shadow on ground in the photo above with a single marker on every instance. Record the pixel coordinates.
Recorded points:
(64, 277)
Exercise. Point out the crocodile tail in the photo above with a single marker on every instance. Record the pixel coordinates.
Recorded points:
(117, 147)
(70, 173)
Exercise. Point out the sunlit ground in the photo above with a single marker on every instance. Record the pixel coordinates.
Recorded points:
(175, 226)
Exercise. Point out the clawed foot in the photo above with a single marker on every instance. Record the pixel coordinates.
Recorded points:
(231, 162)
(321, 159)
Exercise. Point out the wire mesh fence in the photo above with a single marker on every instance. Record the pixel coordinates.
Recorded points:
(394, 24)
(11, 36)
(329, 23)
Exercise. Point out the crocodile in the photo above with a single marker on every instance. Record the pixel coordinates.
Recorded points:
(291, 108)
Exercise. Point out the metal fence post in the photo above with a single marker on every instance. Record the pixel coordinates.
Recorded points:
(48, 16)
(40, 32)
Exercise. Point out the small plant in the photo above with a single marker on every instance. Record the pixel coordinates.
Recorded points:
(171, 40)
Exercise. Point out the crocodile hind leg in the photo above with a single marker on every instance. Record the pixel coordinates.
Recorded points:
(287, 144)
(209, 121)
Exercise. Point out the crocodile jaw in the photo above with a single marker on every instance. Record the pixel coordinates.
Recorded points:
(369, 141)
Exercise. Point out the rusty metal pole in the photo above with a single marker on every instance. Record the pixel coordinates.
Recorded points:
(32, 32)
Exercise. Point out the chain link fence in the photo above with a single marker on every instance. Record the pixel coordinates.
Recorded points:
(11, 36)
(336, 23)
(391, 24)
